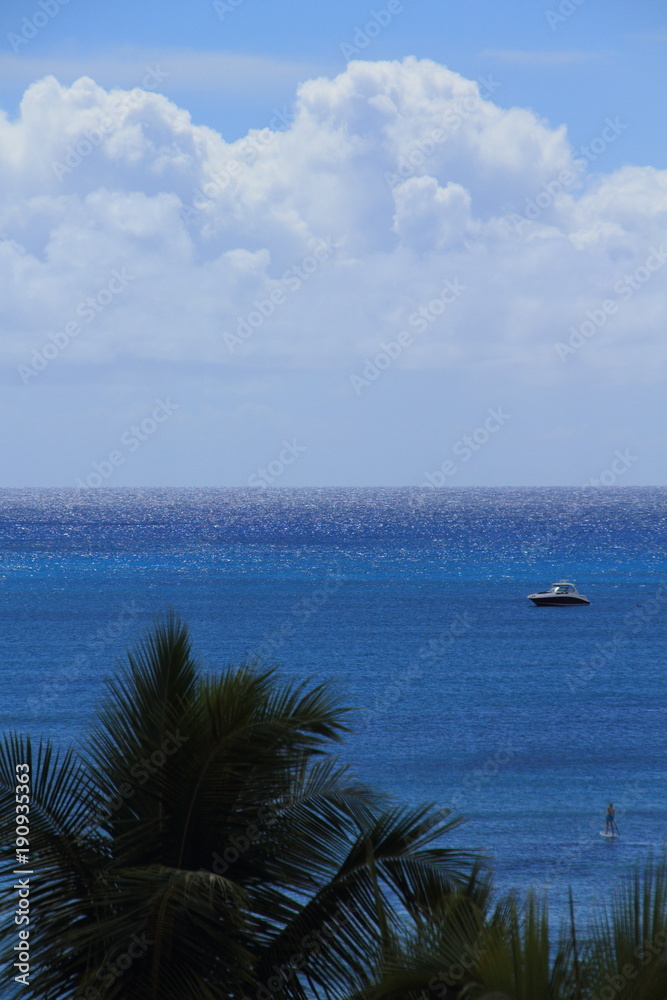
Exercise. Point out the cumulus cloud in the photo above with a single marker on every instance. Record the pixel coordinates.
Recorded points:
(311, 241)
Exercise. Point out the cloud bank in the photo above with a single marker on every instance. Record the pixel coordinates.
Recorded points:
(128, 232)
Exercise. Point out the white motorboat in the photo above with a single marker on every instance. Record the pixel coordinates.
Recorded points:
(559, 594)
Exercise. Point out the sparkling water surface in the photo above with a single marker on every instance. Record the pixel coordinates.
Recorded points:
(526, 720)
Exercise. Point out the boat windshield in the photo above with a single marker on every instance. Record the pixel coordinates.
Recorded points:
(563, 590)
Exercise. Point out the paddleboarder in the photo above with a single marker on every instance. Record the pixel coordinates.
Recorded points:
(609, 826)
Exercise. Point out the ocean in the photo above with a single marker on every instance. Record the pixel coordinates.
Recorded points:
(412, 602)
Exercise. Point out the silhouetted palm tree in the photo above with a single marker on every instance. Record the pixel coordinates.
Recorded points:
(468, 952)
(205, 844)
(628, 949)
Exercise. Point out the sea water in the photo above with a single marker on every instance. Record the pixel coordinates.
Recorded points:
(412, 603)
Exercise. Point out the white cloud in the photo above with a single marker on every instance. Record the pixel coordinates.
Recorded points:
(324, 237)
(431, 217)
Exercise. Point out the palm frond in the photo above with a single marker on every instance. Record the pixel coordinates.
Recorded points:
(153, 695)
(516, 957)
(629, 936)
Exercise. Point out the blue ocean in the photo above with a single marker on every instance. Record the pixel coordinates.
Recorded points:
(412, 602)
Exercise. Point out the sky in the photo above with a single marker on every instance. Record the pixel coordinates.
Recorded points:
(414, 243)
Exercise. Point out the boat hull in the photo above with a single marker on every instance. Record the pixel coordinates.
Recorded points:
(553, 600)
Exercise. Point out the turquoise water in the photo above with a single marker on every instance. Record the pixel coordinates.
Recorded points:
(413, 602)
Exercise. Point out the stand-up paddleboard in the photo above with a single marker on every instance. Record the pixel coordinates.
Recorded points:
(603, 834)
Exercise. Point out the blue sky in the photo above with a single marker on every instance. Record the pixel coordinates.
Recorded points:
(564, 102)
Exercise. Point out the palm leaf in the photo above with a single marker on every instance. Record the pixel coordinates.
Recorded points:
(629, 936)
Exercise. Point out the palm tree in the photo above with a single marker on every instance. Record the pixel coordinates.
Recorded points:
(468, 952)
(623, 953)
(518, 959)
(205, 843)
(436, 958)
(628, 950)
